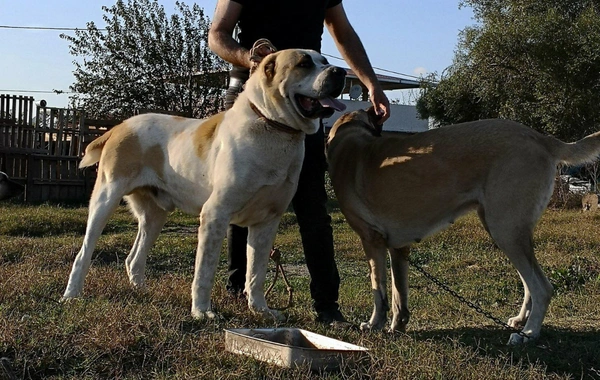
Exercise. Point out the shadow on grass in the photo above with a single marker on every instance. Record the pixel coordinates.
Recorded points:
(562, 351)
(44, 227)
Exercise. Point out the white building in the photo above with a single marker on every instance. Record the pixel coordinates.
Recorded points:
(404, 118)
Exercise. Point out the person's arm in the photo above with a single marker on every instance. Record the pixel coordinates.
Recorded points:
(353, 51)
(220, 34)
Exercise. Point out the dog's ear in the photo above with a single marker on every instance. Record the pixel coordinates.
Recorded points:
(269, 67)
(375, 120)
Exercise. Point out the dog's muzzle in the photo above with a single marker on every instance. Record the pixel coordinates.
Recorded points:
(329, 85)
(335, 77)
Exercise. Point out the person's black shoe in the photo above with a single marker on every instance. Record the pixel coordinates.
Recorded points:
(328, 316)
(333, 318)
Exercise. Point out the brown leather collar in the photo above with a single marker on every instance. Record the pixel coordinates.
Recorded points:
(275, 124)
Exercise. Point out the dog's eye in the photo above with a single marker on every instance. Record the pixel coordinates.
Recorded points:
(306, 62)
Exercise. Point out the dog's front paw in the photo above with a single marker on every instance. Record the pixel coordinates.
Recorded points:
(66, 299)
(138, 282)
(204, 315)
(258, 305)
(367, 327)
(373, 326)
(399, 322)
(517, 339)
(69, 295)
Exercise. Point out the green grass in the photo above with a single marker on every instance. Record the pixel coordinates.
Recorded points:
(115, 331)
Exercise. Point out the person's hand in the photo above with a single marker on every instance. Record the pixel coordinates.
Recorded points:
(260, 50)
(263, 49)
(381, 104)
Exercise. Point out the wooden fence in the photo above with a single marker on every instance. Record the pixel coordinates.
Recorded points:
(41, 147)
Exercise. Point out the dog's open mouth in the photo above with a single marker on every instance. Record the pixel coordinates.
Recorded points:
(314, 108)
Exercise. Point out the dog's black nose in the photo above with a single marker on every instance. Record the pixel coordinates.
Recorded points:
(339, 71)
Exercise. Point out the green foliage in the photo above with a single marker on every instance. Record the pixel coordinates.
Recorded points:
(534, 61)
(580, 272)
(146, 60)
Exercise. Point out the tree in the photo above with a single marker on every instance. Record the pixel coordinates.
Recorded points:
(146, 60)
(534, 61)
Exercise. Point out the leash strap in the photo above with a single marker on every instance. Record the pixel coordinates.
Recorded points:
(276, 257)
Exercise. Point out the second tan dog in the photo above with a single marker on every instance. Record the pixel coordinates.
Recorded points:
(398, 190)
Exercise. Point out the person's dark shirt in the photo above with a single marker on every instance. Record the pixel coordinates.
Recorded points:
(286, 23)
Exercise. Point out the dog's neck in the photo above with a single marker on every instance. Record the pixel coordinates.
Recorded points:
(348, 130)
(273, 123)
(340, 128)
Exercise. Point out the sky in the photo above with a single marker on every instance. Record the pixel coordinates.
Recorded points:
(410, 37)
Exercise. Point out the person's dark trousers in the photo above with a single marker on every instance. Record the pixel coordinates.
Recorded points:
(236, 236)
(309, 204)
(236, 258)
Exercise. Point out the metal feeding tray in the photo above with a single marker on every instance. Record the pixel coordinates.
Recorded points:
(289, 347)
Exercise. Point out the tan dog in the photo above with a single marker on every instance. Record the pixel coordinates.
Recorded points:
(240, 167)
(398, 190)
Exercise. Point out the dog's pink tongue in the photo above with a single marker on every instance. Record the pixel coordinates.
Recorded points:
(333, 103)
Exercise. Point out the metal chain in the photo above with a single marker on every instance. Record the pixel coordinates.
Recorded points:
(462, 299)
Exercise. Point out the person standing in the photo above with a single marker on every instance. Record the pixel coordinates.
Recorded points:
(294, 24)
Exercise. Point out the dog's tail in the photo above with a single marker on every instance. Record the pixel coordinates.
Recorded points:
(94, 150)
(584, 151)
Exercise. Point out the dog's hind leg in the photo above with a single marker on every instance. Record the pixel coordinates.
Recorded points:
(399, 266)
(376, 254)
(105, 198)
(514, 202)
(516, 240)
(151, 219)
(520, 320)
(260, 241)
(538, 299)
